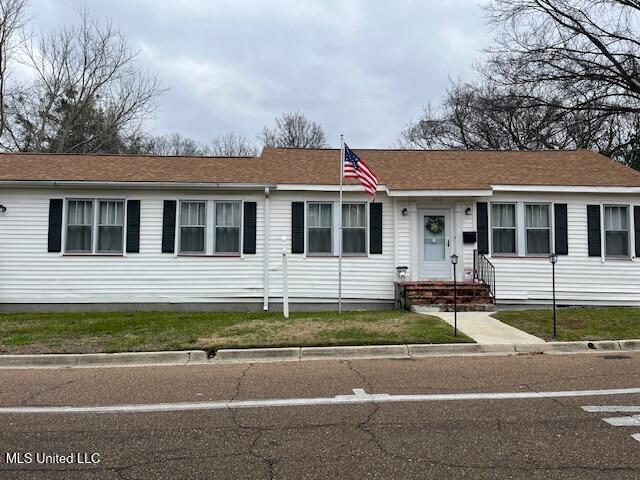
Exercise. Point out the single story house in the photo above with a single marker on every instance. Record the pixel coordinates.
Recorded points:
(135, 231)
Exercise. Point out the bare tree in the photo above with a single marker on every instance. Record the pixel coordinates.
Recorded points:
(12, 20)
(173, 144)
(232, 145)
(293, 129)
(88, 94)
(487, 116)
(483, 116)
(587, 49)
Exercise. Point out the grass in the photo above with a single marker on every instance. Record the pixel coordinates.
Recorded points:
(612, 323)
(152, 331)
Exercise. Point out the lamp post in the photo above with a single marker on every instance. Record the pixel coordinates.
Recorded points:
(553, 258)
(454, 261)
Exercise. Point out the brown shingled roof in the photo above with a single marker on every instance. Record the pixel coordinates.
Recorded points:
(398, 169)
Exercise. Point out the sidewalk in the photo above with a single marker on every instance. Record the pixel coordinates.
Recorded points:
(485, 329)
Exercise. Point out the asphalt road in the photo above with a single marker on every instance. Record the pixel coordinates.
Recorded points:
(455, 438)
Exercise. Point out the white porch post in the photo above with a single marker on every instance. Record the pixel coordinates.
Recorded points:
(414, 273)
(458, 245)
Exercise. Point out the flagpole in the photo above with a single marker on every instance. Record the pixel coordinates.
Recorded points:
(340, 229)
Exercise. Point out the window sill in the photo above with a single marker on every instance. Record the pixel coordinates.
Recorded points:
(331, 255)
(215, 255)
(89, 254)
(618, 259)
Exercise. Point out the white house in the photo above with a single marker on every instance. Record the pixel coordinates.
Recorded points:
(111, 231)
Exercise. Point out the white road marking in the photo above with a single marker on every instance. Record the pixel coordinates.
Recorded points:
(612, 408)
(631, 421)
(359, 397)
(626, 421)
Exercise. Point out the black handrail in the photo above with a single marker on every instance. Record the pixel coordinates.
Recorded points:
(485, 272)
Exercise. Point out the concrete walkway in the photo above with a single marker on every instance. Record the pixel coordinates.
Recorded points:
(483, 328)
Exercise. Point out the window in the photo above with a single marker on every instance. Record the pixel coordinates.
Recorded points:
(616, 228)
(102, 220)
(503, 226)
(538, 229)
(79, 226)
(354, 228)
(319, 227)
(192, 227)
(110, 226)
(227, 224)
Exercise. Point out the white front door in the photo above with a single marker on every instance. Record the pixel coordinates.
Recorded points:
(435, 244)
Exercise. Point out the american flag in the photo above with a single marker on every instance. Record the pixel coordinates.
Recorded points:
(354, 167)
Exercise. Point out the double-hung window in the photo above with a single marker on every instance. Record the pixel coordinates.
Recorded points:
(193, 226)
(320, 228)
(538, 229)
(354, 229)
(616, 228)
(503, 228)
(110, 226)
(95, 226)
(227, 227)
(79, 226)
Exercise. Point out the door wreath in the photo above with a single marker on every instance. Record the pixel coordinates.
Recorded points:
(435, 225)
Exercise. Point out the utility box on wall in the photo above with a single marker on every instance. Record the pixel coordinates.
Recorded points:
(469, 237)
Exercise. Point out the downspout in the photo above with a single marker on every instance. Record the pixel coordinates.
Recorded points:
(267, 237)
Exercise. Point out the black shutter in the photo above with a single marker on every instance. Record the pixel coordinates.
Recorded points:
(561, 235)
(636, 222)
(593, 230)
(375, 228)
(249, 241)
(297, 227)
(169, 226)
(133, 226)
(55, 225)
(482, 221)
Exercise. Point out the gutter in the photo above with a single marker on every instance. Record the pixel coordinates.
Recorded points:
(151, 185)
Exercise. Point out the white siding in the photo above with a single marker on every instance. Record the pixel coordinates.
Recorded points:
(315, 278)
(468, 225)
(29, 274)
(580, 279)
(403, 235)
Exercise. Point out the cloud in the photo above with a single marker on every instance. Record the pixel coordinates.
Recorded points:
(362, 68)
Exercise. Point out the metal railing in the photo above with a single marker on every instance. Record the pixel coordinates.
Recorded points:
(484, 272)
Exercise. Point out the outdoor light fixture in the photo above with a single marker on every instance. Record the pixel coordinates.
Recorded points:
(553, 258)
(3, 208)
(404, 212)
(467, 211)
(454, 261)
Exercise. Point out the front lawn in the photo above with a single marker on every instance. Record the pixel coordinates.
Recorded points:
(611, 323)
(150, 331)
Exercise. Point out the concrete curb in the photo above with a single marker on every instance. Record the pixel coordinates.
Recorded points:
(371, 351)
(105, 359)
(243, 355)
(297, 354)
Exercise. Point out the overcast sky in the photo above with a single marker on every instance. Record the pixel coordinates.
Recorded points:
(362, 68)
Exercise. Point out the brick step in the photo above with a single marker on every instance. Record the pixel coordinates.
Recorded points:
(439, 292)
(461, 298)
(437, 283)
